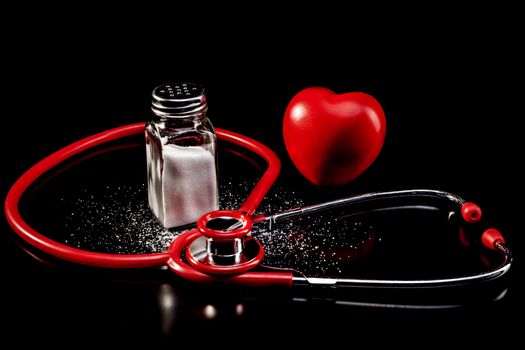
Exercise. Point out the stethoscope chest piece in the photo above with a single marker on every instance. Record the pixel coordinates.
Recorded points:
(224, 247)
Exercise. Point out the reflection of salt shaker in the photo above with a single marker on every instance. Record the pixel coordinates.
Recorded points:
(181, 154)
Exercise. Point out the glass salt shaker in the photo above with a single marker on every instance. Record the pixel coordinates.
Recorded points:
(181, 150)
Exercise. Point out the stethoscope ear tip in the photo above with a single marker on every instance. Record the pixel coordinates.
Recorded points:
(471, 212)
(491, 238)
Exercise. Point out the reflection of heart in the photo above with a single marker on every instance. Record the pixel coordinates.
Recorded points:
(333, 138)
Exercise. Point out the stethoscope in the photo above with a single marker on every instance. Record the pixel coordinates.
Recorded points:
(230, 254)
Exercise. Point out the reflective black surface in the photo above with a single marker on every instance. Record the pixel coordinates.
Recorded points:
(446, 130)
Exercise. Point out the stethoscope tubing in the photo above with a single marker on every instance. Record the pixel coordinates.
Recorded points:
(54, 248)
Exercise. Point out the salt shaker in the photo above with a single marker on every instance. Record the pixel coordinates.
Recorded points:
(181, 150)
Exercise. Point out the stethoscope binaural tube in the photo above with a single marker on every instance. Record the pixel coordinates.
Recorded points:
(469, 212)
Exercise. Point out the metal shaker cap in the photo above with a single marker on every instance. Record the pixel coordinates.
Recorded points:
(178, 99)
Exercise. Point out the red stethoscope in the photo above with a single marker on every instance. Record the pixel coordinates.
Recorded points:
(209, 254)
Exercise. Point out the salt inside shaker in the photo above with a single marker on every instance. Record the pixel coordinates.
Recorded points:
(181, 150)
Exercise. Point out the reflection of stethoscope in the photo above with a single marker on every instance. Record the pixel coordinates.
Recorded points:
(215, 253)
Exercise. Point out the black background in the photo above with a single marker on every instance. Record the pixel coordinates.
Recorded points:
(452, 110)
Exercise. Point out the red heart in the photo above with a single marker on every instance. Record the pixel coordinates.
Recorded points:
(333, 138)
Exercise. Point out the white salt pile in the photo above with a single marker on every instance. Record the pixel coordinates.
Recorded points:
(188, 188)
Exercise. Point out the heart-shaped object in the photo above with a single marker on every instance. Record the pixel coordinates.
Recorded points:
(332, 138)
